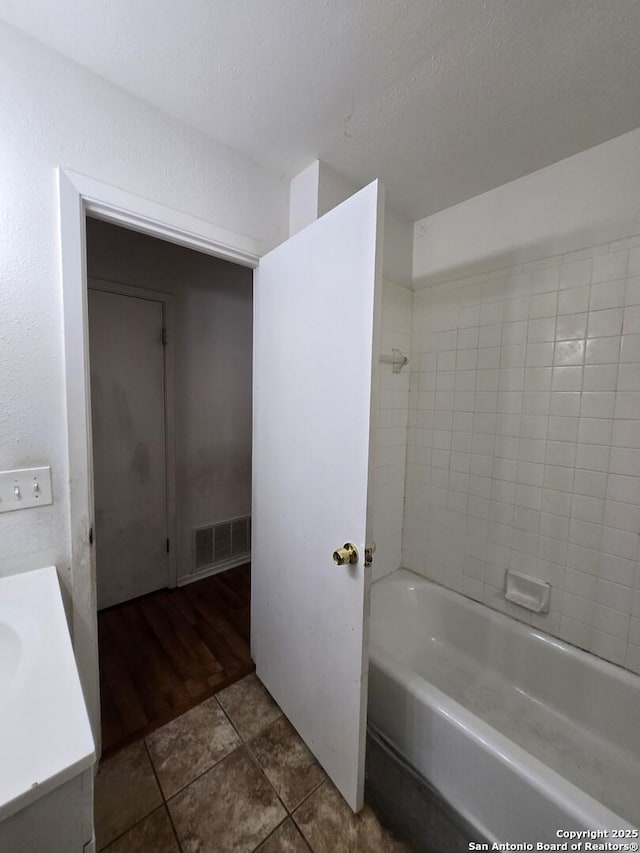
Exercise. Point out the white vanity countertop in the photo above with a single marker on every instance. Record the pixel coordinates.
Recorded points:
(45, 737)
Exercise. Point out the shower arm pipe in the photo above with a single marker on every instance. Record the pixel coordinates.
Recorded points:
(397, 359)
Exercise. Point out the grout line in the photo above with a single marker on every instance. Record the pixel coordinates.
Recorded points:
(164, 799)
(129, 828)
(306, 796)
(246, 743)
(272, 833)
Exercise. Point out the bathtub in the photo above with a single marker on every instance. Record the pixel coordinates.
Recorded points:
(522, 734)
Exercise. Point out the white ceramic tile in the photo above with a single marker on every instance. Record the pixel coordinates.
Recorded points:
(609, 647)
(631, 320)
(581, 584)
(587, 508)
(592, 483)
(571, 326)
(609, 267)
(632, 295)
(610, 621)
(573, 301)
(554, 526)
(539, 354)
(626, 433)
(490, 335)
(555, 502)
(468, 338)
(561, 453)
(575, 274)
(621, 543)
(623, 488)
(634, 631)
(605, 323)
(593, 457)
(595, 430)
(488, 358)
(627, 405)
(630, 351)
(512, 356)
(566, 403)
(586, 534)
(558, 477)
(545, 275)
(603, 350)
(589, 252)
(540, 330)
(515, 308)
(524, 444)
(514, 332)
(610, 294)
(600, 377)
(544, 305)
(624, 243)
(625, 460)
(576, 633)
(634, 262)
(566, 378)
(629, 377)
(597, 404)
(613, 595)
(583, 558)
(616, 569)
(577, 608)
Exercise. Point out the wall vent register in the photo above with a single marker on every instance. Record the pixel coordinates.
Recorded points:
(225, 542)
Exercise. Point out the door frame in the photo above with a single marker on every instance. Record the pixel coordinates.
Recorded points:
(168, 354)
(79, 196)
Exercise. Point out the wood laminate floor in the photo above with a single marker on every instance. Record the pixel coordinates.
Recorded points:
(166, 652)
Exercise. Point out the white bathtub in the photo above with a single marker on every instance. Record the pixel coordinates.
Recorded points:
(522, 734)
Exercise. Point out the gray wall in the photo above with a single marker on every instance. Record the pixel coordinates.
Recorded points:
(213, 340)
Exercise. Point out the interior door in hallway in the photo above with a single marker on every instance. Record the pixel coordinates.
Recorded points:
(129, 463)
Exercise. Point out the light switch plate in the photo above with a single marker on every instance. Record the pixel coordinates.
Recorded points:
(25, 488)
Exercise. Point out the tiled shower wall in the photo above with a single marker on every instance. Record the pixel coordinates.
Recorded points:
(524, 441)
(391, 431)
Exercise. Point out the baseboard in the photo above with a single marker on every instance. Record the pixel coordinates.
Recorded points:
(214, 570)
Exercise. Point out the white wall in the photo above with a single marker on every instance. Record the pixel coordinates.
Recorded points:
(592, 197)
(319, 188)
(212, 343)
(313, 192)
(391, 431)
(55, 113)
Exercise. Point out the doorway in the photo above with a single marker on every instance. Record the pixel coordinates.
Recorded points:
(170, 345)
(338, 259)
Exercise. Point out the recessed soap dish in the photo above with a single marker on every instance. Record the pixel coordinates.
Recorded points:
(527, 592)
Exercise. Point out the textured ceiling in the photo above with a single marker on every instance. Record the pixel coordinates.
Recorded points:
(442, 99)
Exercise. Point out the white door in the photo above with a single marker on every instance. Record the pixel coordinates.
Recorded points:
(128, 423)
(315, 320)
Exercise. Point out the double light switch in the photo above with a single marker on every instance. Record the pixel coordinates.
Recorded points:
(25, 488)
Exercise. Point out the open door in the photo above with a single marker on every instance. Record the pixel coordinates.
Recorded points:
(316, 302)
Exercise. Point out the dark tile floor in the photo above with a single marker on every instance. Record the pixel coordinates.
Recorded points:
(230, 775)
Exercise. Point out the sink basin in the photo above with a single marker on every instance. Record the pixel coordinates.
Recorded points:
(45, 737)
(18, 639)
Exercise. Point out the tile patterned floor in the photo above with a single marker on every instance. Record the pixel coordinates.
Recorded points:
(230, 775)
